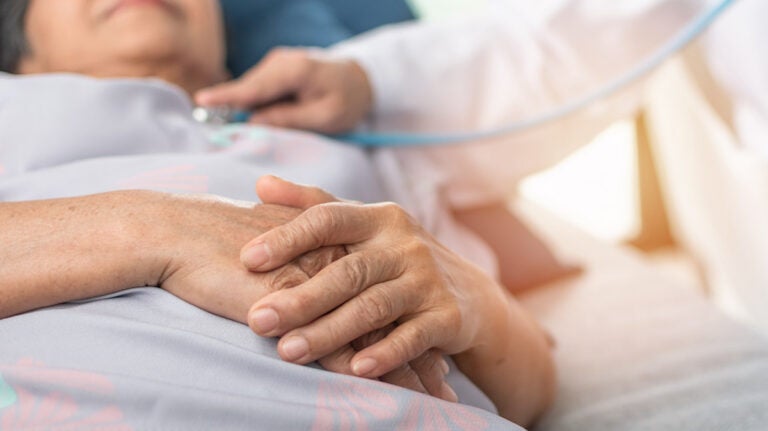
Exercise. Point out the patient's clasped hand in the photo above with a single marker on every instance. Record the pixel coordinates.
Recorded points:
(361, 288)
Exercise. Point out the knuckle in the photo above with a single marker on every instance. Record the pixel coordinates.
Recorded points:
(419, 248)
(376, 308)
(355, 271)
(295, 302)
(405, 376)
(315, 261)
(432, 362)
(370, 338)
(323, 217)
(338, 361)
(333, 333)
(407, 346)
(286, 277)
(451, 320)
(421, 256)
(310, 227)
(395, 212)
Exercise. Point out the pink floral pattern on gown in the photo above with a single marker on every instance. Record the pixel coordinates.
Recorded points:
(55, 408)
(358, 406)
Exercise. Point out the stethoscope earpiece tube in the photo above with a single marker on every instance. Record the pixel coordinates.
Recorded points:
(224, 115)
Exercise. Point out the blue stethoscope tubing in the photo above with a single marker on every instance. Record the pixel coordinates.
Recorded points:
(687, 35)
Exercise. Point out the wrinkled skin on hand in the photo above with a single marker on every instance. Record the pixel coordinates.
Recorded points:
(202, 266)
(296, 88)
(200, 253)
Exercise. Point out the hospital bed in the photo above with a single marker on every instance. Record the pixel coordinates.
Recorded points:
(634, 349)
(639, 351)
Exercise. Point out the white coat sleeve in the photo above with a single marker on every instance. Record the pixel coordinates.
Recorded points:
(502, 66)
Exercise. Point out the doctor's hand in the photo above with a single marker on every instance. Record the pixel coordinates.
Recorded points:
(424, 373)
(394, 274)
(294, 88)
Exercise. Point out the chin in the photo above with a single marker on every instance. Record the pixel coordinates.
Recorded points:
(138, 32)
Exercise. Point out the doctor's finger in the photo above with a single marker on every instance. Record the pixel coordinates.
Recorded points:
(375, 308)
(405, 343)
(281, 74)
(321, 225)
(325, 114)
(432, 368)
(424, 374)
(405, 376)
(288, 309)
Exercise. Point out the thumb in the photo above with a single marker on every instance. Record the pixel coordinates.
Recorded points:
(277, 191)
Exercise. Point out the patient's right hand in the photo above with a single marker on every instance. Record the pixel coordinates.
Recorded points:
(197, 243)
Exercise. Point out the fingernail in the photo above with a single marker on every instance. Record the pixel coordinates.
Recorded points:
(364, 367)
(202, 96)
(444, 366)
(295, 348)
(265, 321)
(449, 394)
(256, 256)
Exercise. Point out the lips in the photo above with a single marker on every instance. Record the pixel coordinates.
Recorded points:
(120, 5)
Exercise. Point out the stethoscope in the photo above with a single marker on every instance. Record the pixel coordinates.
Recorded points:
(224, 115)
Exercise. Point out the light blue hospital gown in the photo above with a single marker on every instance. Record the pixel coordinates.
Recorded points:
(143, 359)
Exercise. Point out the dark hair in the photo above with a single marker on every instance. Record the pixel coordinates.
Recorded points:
(13, 40)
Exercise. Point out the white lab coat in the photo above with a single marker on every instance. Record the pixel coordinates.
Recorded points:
(710, 136)
(514, 60)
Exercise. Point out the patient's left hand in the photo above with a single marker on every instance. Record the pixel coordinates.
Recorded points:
(395, 273)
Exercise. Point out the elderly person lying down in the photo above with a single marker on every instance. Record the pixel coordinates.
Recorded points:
(110, 189)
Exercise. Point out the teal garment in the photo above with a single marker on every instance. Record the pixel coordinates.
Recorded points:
(256, 26)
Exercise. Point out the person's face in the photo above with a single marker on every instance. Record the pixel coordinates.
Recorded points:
(126, 38)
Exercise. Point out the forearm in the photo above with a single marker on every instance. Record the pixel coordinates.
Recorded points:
(512, 363)
(62, 250)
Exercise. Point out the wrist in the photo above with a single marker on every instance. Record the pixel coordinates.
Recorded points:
(364, 88)
(512, 363)
(141, 232)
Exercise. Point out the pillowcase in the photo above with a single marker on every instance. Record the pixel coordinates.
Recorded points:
(256, 26)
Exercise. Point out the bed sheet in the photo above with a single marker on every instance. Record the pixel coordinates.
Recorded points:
(639, 351)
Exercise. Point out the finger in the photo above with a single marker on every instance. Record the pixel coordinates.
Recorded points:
(373, 309)
(407, 342)
(339, 362)
(321, 225)
(348, 277)
(277, 191)
(320, 115)
(403, 376)
(432, 368)
(279, 75)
